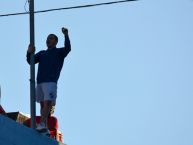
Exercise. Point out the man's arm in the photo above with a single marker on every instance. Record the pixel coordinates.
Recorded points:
(67, 45)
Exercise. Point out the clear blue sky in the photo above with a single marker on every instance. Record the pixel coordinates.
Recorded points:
(128, 79)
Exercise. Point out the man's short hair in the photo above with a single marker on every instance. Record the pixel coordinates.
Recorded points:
(50, 35)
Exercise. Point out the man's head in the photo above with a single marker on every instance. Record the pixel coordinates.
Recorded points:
(52, 40)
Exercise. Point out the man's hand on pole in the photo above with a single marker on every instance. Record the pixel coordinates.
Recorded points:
(31, 49)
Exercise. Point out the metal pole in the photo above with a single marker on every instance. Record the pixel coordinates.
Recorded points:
(32, 67)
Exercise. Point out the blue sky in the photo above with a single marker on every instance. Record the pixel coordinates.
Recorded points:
(128, 79)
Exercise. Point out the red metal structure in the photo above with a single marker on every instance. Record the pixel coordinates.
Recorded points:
(2, 111)
(52, 124)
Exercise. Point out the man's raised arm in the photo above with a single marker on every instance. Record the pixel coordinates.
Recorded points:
(67, 45)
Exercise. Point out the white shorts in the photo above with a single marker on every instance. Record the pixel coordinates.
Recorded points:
(46, 92)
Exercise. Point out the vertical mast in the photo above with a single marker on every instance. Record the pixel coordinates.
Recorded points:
(32, 66)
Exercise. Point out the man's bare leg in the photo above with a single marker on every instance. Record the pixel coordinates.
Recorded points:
(41, 107)
(45, 111)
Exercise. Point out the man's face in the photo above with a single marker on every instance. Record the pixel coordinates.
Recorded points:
(51, 41)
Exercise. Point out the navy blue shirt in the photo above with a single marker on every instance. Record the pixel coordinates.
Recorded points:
(50, 62)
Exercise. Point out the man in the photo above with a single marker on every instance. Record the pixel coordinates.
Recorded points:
(49, 68)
